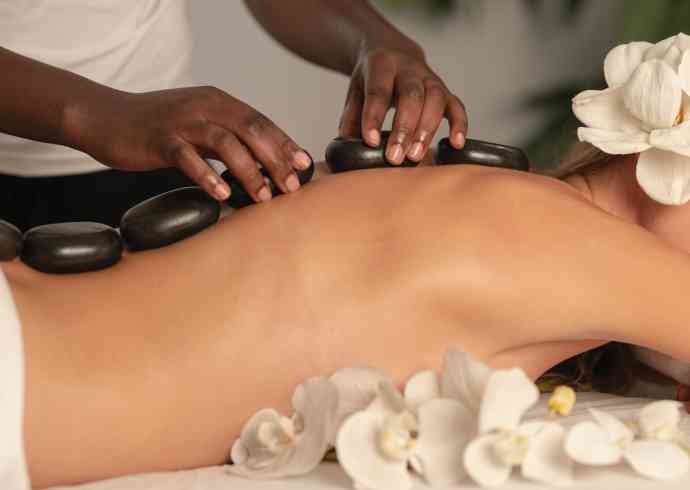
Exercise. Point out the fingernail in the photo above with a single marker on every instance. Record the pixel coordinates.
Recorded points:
(416, 151)
(292, 183)
(374, 137)
(264, 194)
(395, 154)
(302, 160)
(222, 192)
(459, 140)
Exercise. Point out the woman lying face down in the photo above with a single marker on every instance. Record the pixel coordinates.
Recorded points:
(156, 363)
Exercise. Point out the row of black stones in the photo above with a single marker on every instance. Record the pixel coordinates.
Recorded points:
(63, 248)
(348, 154)
(178, 214)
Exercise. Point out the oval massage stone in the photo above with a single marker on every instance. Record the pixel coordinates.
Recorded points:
(240, 198)
(348, 154)
(68, 248)
(10, 241)
(168, 218)
(477, 152)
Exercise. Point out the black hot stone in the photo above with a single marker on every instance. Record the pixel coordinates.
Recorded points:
(347, 154)
(240, 198)
(68, 248)
(477, 152)
(10, 241)
(168, 218)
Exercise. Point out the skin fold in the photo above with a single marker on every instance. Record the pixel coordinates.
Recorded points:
(156, 363)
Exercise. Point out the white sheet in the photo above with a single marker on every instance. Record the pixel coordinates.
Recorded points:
(329, 476)
(12, 466)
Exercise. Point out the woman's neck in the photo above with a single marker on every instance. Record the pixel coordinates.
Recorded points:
(614, 188)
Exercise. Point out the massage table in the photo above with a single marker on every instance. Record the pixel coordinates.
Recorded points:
(329, 476)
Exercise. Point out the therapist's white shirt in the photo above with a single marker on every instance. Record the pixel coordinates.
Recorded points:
(131, 45)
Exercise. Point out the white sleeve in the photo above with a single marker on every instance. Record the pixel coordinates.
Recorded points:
(13, 472)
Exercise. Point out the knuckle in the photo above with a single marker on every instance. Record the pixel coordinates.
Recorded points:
(403, 131)
(277, 166)
(224, 142)
(378, 93)
(436, 90)
(456, 100)
(288, 147)
(256, 124)
(413, 91)
(177, 151)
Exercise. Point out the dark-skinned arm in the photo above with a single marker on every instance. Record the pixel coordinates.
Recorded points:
(388, 69)
(145, 131)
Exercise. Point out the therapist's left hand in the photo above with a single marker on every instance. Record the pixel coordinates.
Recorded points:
(399, 77)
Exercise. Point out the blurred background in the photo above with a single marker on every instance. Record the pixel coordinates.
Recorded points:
(515, 63)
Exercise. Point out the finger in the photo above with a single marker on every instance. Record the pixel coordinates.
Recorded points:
(378, 95)
(235, 156)
(457, 120)
(410, 94)
(351, 121)
(276, 152)
(435, 96)
(184, 156)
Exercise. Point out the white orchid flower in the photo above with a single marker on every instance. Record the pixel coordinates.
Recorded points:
(274, 446)
(376, 446)
(504, 443)
(646, 110)
(607, 441)
(356, 388)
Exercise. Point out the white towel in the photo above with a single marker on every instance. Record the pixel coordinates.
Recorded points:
(13, 472)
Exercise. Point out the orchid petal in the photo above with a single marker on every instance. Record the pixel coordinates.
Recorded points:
(482, 463)
(660, 420)
(356, 388)
(239, 453)
(589, 444)
(654, 94)
(249, 449)
(464, 378)
(318, 400)
(421, 388)
(507, 397)
(657, 460)
(546, 460)
(675, 139)
(664, 176)
(682, 41)
(445, 428)
(658, 51)
(622, 61)
(673, 58)
(360, 457)
(684, 72)
(390, 397)
(615, 142)
(618, 433)
(604, 109)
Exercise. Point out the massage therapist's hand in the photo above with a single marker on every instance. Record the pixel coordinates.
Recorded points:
(181, 127)
(400, 77)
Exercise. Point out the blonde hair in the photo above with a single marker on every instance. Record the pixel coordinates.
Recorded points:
(583, 158)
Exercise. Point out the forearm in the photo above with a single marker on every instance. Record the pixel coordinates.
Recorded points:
(329, 33)
(44, 103)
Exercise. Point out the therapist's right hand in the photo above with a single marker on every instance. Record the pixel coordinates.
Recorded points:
(181, 127)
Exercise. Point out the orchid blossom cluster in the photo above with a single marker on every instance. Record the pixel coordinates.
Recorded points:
(465, 422)
(645, 110)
